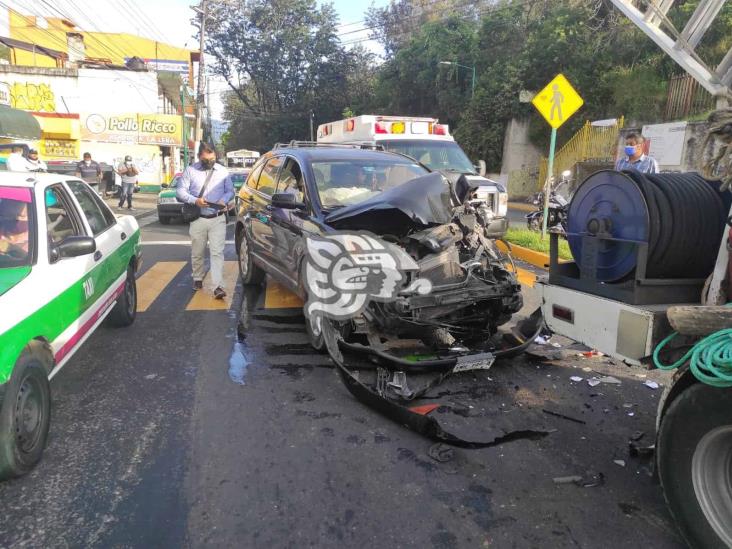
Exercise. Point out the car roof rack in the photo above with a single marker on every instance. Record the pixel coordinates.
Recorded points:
(305, 144)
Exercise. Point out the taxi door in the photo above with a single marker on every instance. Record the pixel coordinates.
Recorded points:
(261, 237)
(110, 266)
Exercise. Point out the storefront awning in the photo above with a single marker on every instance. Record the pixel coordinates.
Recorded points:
(59, 126)
(18, 124)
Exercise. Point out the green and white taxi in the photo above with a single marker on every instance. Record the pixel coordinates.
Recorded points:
(67, 263)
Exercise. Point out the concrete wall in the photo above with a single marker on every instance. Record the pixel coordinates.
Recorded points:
(518, 151)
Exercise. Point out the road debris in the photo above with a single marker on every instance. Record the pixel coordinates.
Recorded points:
(589, 480)
(651, 384)
(635, 437)
(563, 416)
(620, 462)
(576, 379)
(441, 453)
(595, 381)
(637, 451)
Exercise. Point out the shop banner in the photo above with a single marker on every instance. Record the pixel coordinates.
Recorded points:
(132, 128)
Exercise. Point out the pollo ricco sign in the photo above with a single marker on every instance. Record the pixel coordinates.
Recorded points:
(132, 128)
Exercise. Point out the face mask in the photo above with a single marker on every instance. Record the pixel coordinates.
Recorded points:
(630, 150)
(87, 162)
(208, 164)
(128, 164)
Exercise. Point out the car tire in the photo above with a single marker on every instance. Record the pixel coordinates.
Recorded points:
(165, 220)
(25, 413)
(694, 450)
(249, 272)
(317, 342)
(125, 310)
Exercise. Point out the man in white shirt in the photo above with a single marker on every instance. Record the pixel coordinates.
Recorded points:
(16, 162)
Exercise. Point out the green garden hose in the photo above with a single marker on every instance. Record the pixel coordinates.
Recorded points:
(710, 359)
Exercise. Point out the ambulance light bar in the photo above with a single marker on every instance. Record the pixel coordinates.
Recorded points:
(400, 127)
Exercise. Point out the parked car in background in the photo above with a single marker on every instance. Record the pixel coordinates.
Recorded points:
(67, 262)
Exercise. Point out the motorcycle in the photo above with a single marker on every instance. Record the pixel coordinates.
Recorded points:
(558, 207)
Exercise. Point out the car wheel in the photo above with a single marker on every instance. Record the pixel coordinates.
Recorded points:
(125, 310)
(317, 342)
(165, 220)
(694, 453)
(250, 273)
(25, 413)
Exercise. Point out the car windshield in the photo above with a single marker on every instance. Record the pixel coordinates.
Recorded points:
(15, 230)
(436, 155)
(238, 178)
(346, 182)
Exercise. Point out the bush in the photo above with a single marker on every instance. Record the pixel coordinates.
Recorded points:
(532, 240)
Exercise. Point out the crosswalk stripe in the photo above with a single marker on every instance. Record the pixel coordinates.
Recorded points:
(151, 284)
(203, 300)
(279, 297)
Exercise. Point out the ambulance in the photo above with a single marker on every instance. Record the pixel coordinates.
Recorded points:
(427, 141)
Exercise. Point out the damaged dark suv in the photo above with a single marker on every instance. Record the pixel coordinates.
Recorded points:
(300, 191)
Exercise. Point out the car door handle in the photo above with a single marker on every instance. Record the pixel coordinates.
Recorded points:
(97, 255)
(123, 236)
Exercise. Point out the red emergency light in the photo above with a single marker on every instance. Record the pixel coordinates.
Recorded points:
(350, 125)
(439, 129)
(380, 127)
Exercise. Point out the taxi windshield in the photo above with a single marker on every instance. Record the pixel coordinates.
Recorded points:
(15, 229)
(346, 182)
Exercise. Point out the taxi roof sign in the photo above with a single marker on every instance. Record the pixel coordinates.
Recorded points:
(557, 101)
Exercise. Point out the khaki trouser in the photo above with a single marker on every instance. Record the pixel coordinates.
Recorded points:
(213, 232)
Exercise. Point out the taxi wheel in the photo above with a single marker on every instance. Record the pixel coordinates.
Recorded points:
(25, 413)
(250, 273)
(125, 310)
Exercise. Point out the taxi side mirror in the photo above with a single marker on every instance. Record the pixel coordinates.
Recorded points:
(73, 246)
(165, 186)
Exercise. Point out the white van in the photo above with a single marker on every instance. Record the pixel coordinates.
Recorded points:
(430, 143)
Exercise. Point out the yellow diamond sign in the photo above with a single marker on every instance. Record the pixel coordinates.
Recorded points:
(558, 101)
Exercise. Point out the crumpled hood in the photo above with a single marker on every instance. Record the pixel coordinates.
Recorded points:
(422, 201)
(10, 277)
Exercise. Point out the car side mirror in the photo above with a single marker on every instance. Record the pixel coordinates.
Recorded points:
(73, 246)
(482, 168)
(165, 186)
(286, 201)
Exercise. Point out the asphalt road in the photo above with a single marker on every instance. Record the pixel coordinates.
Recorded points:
(200, 427)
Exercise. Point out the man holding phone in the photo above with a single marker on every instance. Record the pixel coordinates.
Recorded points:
(207, 185)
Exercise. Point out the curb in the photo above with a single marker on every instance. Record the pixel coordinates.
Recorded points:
(521, 206)
(537, 259)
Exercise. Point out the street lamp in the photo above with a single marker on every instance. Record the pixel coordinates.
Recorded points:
(465, 67)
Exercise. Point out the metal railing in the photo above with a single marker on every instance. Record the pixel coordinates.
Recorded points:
(598, 143)
(686, 97)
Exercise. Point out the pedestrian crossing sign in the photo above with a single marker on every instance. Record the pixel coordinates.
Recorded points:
(557, 101)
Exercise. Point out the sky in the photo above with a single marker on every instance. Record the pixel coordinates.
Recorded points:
(167, 21)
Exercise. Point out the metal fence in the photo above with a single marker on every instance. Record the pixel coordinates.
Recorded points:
(686, 97)
(596, 143)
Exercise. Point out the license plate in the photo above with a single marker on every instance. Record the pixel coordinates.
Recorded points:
(166, 200)
(482, 361)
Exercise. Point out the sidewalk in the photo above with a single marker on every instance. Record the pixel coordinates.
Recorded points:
(144, 204)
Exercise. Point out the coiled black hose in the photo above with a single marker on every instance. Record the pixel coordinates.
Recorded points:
(682, 220)
(686, 215)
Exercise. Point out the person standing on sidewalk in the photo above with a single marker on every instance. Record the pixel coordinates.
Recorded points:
(128, 172)
(90, 171)
(35, 164)
(634, 158)
(210, 227)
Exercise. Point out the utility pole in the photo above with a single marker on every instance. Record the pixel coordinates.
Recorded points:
(312, 119)
(201, 95)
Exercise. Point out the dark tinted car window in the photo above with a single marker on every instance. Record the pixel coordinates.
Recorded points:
(97, 213)
(291, 180)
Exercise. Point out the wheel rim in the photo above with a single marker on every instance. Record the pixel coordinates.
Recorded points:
(711, 473)
(28, 414)
(243, 256)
